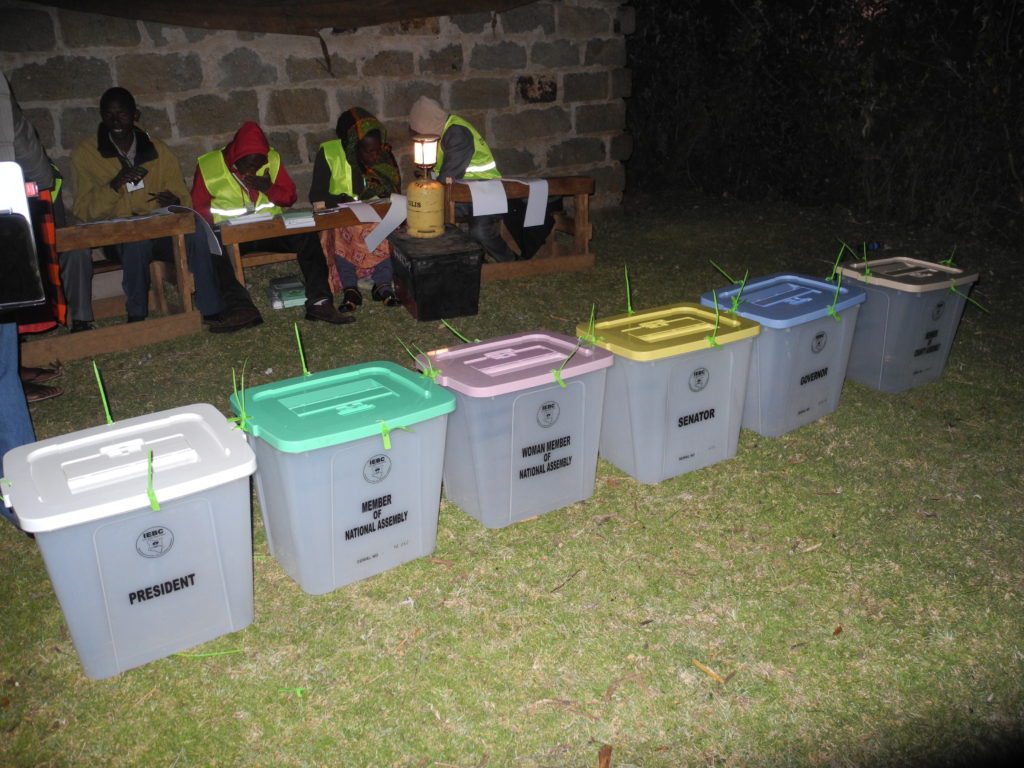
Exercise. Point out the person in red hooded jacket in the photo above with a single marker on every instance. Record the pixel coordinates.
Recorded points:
(247, 176)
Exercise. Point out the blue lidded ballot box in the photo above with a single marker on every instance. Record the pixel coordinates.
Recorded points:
(348, 469)
(799, 360)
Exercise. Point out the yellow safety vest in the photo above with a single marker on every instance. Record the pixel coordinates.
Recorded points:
(481, 165)
(341, 171)
(228, 197)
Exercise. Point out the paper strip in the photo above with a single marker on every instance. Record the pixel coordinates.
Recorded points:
(394, 217)
(537, 202)
(488, 197)
(365, 212)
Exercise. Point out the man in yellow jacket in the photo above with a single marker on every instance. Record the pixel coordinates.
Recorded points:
(122, 171)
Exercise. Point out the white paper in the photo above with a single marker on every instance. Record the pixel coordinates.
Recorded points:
(488, 197)
(211, 237)
(394, 217)
(365, 212)
(537, 202)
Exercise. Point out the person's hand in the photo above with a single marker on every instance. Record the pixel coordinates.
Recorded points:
(259, 183)
(165, 198)
(125, 176)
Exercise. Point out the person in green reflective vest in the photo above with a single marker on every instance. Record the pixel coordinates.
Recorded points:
(247, 176)
(462, 154)
(358, 165)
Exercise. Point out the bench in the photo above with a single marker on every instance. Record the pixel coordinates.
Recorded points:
(554, 256)
(44, 349)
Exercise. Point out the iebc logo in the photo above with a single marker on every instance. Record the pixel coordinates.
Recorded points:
(155, 542)
(377, 468)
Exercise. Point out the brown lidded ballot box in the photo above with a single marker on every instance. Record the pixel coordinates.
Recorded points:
(437, 277)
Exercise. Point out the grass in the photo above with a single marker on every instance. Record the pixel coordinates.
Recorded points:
(848, 594)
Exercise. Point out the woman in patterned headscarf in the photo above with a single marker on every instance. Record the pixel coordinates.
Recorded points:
(358, 165)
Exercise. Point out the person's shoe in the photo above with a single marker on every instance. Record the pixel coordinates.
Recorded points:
(36, 393)
(213, 319)
(77, 326)
(37, 375)
(386, 295)
(135, 318)
(327, 313)
(350, 299)
(236, 320)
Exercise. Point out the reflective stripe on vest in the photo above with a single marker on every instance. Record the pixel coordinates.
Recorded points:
(481, 164)
(341, 171)
(227, 197)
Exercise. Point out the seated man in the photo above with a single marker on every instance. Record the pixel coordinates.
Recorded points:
(246, 176)
(124, 172)
(462, 154)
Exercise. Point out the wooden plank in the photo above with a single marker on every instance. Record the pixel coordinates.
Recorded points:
(512, 269)
(61, 346)
(112, 232)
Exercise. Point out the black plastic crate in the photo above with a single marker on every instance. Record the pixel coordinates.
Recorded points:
(437, 277)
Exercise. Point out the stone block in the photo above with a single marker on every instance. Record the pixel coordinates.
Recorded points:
(25, 29)
(479, 93)
(302, 177)
(515, 162)
(609, 181)
(527, 18)
(42, 121)
(610, 52)
(155, 122)
(471, 23)
(428, 25)
(399, 96)
(287, 145)
(555, 54)
(503, 55)
(389, 64)
(244, 68)
(213, 114)
(297, 106)
(78, 123)
(90, 30)
(622, 83)
(158, 73)
(346, 98)
(600, 118)
(195, 34)
(537, 90)
(442, 62)
(313, 141)
(583, 22)
(584, 151)
(187, 152)
(585, 86)
(531, 124)
(62, 77)
(621, 147)
(625, 20)
(300, 69)
(156, 32)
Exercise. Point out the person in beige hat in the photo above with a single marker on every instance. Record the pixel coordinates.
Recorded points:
(462, 154)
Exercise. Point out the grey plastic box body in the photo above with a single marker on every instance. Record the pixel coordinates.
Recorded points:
(907, 324)
(663, 418)
(521, 454)
(345, 512)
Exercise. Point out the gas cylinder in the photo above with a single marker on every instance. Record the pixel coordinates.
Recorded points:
(425, 208)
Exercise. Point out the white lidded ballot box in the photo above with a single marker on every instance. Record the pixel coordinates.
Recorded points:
(674, 397)
(522, 441)
(907, 324)
(798, 362)
(349, 469)
(137, 583)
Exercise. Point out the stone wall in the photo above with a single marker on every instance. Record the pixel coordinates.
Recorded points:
(544, 83)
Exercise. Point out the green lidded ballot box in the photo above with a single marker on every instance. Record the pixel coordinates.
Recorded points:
(674, 400)
(348, 469)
